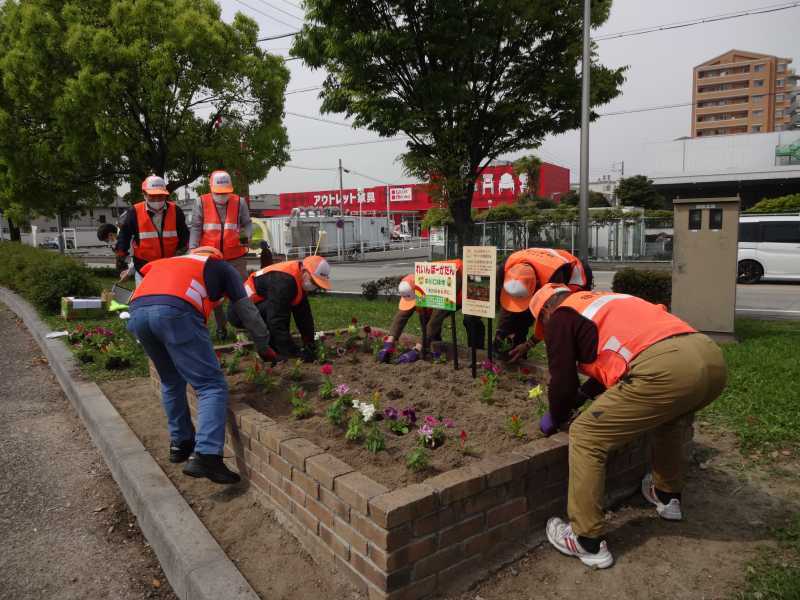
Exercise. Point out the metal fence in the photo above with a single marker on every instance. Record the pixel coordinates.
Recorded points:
(627, 239)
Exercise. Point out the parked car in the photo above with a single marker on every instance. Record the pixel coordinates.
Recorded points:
(769, 248)
(52, 244)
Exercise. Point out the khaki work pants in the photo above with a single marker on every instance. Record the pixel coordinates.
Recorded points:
(664, 387)
(433, 330)
(240, 264)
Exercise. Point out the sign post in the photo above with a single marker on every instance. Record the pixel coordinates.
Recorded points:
(435, 285)
(479, 286)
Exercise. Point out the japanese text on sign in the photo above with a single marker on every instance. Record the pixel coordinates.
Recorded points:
(435, 285)
(479, 281)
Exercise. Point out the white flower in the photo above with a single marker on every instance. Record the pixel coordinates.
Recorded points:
(368, 411)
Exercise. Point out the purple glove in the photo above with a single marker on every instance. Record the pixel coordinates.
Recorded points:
(386, 352)
(409, 357)
(546, 424)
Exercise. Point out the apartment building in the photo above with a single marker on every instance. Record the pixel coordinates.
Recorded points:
(743, 92)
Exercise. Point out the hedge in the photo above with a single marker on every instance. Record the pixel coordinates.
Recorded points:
(43, 277)
(653, 286)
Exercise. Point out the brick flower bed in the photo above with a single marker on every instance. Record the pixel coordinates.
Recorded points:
(436, 536)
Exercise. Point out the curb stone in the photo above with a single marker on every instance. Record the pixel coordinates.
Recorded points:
(194, 563)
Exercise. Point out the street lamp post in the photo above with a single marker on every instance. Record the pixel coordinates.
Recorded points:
(583, 205)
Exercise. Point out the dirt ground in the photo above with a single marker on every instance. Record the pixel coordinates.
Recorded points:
(431, 389)
(730, 506)
(65, 529)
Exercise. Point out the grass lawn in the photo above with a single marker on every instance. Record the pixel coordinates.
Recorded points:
(761, 402)
(775, 573)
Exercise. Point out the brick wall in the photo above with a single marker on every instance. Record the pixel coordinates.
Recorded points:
(437, 536)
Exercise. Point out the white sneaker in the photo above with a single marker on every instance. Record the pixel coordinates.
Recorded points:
(670, 511)
(560, 534)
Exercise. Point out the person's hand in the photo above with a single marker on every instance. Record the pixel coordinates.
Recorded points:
(519, 351)
(546, 424)
(409, 357)
(385, 353)
(124, 275)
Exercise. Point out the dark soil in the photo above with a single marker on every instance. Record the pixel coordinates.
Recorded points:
(430, 388)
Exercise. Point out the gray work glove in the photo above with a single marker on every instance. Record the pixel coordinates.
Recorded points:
(251, 320)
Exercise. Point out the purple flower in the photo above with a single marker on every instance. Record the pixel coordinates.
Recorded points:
(342, 389)
(488, 365)
(426, 431)
(410, 415)
(390, 414)
(449, 423)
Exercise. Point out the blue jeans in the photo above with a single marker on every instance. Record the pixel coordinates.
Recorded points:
(178, 343)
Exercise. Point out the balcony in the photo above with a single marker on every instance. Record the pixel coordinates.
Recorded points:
(711, 110)
(728, 78)
(722, 123)
(720, 94)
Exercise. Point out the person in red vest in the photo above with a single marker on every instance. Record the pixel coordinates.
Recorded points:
(155, 228)
(431, 320)
(649, 372)
(280, 292)
(221, 219)
(518, 278)
(169, 311)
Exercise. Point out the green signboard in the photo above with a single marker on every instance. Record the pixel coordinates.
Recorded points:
(435, 285)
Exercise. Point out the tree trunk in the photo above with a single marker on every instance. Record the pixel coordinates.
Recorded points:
(461, 210)
(14, 232)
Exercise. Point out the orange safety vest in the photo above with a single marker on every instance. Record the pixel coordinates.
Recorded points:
(545, 262)
(154, 244)
(292, 267)
(626, 326)
(179, 276)
(224, 236)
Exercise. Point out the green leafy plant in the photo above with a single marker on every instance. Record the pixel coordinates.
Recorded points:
(418, 459)
(295, 372)
(355, 428)
(398, 427)
(515, 427)
(118, 357)
(653, 286)
(336, 412)
(84, 355)
(301, 409)
(259, 376)
(326, 389)
(232, 366)
(375, 441)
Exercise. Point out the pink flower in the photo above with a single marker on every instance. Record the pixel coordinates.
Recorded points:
(449, 423)
(326, 369)
(431, 421)
(354, 321)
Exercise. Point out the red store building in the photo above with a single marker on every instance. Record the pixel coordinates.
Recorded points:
(498, 184)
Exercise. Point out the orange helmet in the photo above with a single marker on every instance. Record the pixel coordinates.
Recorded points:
(220, 182)
(155, 186)
(519, 284)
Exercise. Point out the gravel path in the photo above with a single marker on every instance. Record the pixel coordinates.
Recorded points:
(65, 529)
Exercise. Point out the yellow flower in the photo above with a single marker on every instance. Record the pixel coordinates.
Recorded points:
(535, 392)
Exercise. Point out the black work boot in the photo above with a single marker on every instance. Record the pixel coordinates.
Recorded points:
(180, 451)
(210, 466)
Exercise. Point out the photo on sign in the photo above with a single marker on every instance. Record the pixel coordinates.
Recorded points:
(478, 288)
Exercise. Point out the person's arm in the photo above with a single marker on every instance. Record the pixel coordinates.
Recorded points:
(196, 227)
(183, 230)
(278, 290)
(127, 233)
(570, 339)
(245, 222)
(222, 280)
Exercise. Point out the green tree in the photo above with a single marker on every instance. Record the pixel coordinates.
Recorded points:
(530, 166)
(104, 91)
(596, 199)
(639, 191)
(465, 81)
(790, 203)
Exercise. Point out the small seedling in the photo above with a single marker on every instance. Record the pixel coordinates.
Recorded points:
(515, 427)
(295, 374)
(398, 427)
(355, 428)
(301, 409)
(375, 441)
(335, 413)
(418, 459)
(232, 367)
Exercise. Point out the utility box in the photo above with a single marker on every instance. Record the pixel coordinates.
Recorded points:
(705, 249)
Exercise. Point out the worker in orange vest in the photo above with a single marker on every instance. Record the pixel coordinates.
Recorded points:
(280, 292)
(221, 220)
(518, 278)
(155, 228)
(431, 320)
(648, 372)
(169, 311)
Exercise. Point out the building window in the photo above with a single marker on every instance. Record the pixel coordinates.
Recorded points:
(781, 67)
(779, 82)
(101, 218)
(758, 99)
(695, 219)
(756, 129)
(757, 113)
(758, 83)
(778, 97)
(759, 68)
(778, 112)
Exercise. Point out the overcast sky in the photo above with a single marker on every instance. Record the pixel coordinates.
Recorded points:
(660, 73)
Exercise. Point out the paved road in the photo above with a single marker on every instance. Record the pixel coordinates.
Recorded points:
(779, 300)
(65, 529)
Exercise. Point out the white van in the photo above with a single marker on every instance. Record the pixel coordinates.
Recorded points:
(769, 247)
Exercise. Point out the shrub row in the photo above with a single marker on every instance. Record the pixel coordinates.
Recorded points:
(43, 277)
(653, 286)
(386, 286)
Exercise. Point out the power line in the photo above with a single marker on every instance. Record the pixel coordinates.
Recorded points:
(320, 119)
(644, 109)
(300, 168)
(269, 16)
(713, 19)
(303, 90)
(375, 179)
(277, 37)
(309, 148)
(280, 10)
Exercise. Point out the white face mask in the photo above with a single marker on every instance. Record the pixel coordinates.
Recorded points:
(220, 198)
(156, 205)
